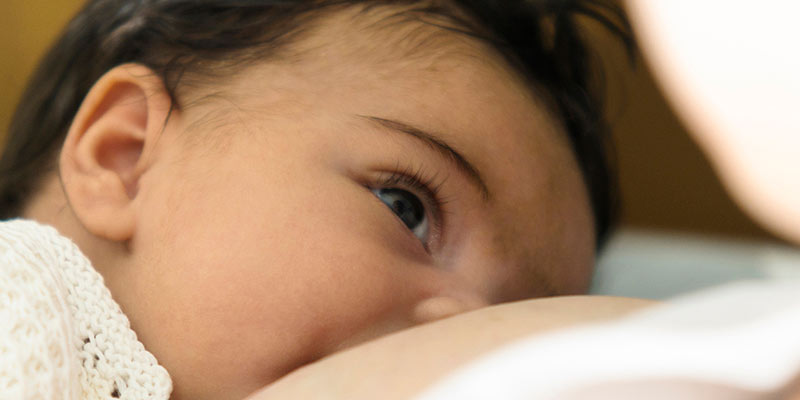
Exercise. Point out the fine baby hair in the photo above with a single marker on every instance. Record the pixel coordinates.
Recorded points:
(191, 42)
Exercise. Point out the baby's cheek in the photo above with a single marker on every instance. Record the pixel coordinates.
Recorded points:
(369, 296)
(317, 302)
(245, 303)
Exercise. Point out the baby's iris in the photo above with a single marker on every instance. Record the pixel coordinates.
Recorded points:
(408, 208)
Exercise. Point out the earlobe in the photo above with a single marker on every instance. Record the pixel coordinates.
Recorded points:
(108, 149)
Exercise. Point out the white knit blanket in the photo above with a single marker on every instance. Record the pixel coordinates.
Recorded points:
(62, 336)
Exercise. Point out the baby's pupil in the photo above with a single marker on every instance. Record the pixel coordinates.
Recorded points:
(407, 206)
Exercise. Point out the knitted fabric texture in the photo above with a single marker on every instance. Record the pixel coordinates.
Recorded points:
(62, 336)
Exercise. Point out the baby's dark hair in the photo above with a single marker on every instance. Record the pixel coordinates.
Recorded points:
(177, 39)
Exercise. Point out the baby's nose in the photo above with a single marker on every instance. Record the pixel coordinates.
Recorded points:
(436, 308)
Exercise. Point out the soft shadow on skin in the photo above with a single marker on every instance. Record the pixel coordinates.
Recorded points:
(401, 365)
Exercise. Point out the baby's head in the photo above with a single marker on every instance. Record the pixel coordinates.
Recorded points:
(262, 183)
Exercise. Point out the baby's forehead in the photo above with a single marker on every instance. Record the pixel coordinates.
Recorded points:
(393, 37)
(355, 51)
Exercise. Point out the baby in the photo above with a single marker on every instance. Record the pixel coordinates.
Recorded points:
(263, 183)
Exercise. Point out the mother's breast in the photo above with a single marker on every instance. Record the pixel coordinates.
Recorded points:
(401, 365)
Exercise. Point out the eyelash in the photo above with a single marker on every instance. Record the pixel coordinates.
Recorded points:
(425, 185)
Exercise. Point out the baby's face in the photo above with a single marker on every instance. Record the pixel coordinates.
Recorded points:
(268, 243)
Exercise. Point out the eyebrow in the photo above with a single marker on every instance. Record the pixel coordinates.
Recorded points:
(440, 146)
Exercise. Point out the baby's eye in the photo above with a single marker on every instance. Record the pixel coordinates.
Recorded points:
(408, 208)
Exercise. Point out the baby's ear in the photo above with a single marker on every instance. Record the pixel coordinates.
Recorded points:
(108, 148)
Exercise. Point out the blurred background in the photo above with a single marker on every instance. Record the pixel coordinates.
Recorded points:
(672, 201)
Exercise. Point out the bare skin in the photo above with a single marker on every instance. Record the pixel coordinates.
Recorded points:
(294, 287)
(401, 365)
(252, 213)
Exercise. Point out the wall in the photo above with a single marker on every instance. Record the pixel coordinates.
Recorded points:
(28, 27)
